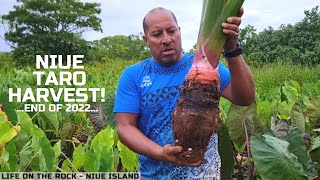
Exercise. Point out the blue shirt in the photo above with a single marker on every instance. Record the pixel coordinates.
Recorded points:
(152, 90)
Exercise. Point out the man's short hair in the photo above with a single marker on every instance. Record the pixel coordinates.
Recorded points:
(144, 22)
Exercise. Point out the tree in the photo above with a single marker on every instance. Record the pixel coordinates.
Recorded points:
(298, 44)
(120, 47)
(50, 27)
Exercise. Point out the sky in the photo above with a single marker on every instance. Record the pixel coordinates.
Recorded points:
(124, 17)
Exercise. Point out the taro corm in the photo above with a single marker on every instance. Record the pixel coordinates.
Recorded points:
(195, 118)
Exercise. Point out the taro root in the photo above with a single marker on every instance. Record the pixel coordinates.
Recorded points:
(195, 118)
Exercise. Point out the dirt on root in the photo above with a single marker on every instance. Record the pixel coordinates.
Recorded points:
(195, 118)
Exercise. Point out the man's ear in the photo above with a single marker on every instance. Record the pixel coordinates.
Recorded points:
(145, 40)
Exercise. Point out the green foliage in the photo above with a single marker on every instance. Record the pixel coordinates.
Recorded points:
(225, 152)
(8, 132)
(297, 44)
(128, 158)
(130, 47)
(274, 160)
(242, 120)
(287, 94)
(50, 27)
(297, 117)
(315, 151)
(269, 78)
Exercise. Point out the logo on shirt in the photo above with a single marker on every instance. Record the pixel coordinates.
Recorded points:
(146, 82)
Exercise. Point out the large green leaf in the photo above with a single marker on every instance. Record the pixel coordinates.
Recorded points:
(7, 132)
(25, 155)
(264, 111)
(107, 161)
(92, 162)
(103, 140)
(313, 109)
(66, 166)
(9, 107)
(57, 153)
(273, 160)
(297, 146)
(284, 110)
(292, 90)
(226, 152)
(44, 153)
(10, 157)
(315, 151)
(128, 157)
(297, 117)
(25, 122)
(51, 117)
(238, 118)
(78, 157)
(3, 116)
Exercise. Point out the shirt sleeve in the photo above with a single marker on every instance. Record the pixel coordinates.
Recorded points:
(127, 95)
(224, 76)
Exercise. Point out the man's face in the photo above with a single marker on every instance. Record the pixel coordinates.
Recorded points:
(163, 37)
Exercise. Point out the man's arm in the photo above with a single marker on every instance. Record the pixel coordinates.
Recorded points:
(241, 90)
(135, 140)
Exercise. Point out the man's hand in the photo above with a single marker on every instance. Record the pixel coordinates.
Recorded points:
(168, 154)
(231, 29)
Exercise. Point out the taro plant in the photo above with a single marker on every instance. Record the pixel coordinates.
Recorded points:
(284, 147)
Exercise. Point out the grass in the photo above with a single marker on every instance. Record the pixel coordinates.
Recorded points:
(271, 76)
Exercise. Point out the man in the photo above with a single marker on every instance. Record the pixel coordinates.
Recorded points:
(148, 91)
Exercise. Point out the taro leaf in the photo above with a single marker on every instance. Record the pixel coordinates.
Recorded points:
(57, 153)
(273, 159)
(224, 108)
(297, 117)
(92, 162)
(259, 126)
(25, 122)
(9, 107)
(284, 110)
(225, 151)
(281, 129)
(12, 156)
(51, 117)
(3, 116)
(315, 151)
(107, 161)
(25, 155)
(7, 132)
(264, 111)
(128, 157)
(312, 170)
(238, 117)
(291, 89)
(305, 99)
(97, 117)
(297, 146)
(313, 109)
(103, 140)
(66, 166)
(44, 153)
(78, 157)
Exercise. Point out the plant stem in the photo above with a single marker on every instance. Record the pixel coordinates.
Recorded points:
(250, 165)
